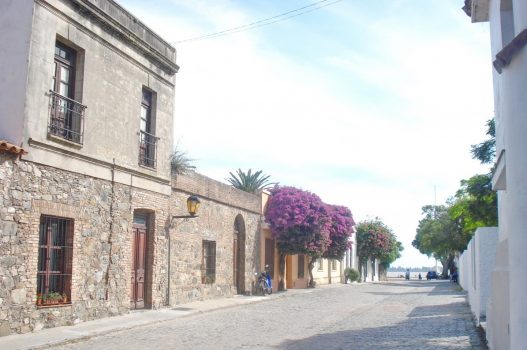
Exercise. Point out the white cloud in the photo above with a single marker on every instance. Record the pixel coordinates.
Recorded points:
(240, 103)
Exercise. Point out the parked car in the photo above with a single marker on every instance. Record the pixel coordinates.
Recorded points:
(431, 275)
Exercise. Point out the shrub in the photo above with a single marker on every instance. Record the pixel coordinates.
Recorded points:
(351, 274)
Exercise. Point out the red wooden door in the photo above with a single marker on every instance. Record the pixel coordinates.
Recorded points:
(137, 295)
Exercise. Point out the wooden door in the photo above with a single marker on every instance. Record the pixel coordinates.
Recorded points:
(289, 272)
(137, 296)
(235, 260)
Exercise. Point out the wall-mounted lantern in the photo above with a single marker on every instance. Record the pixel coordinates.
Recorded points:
(192, 207)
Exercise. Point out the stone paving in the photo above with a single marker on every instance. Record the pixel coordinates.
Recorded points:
(393, 315)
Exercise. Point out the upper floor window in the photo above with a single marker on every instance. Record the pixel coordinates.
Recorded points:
(147, 138)
(66, 114)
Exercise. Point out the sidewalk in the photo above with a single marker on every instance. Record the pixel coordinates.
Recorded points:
(60, 335)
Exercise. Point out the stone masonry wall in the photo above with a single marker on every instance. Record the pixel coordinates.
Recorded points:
(102, 215)
(215, 223)
(221, 204)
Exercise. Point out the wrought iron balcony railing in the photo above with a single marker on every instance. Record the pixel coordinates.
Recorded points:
(66, 118)
(147, 149)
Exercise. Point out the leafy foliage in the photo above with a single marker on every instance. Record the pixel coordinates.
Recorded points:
(180, 163)
(373, 239)
(298, 221)
(486, 151)
(249, 182)
(439, 236)
(475, 205)
(351, 274)
(396, 249)
(340, 231)
(302, 224)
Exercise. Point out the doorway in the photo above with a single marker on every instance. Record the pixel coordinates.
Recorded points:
(238, 255)
(139, 260)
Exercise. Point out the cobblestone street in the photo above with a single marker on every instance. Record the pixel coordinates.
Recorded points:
(394, 315)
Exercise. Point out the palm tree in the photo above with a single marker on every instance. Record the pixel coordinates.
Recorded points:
(180, 163)
(250, 182)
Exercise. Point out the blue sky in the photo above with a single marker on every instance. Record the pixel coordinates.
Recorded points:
(369, 104)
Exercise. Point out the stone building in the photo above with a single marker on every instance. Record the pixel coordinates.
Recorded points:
(87, 198)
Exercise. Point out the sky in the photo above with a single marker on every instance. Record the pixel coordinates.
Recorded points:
(369, 104)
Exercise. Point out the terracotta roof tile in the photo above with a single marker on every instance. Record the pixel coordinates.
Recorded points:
(10, 148)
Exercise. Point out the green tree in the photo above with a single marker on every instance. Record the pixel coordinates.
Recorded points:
(439, 236)
(250, 182)
(486, 151)
(475, 205)
(396, 249)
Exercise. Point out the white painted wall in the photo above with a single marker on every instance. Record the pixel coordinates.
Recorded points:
(15, 36)
(475, 269)
(507, 325)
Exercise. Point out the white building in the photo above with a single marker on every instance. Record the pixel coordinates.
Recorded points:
(507, 319)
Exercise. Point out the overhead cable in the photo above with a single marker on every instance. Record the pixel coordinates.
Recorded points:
(266, 21)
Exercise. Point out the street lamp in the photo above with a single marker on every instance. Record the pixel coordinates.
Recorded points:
(192, 207)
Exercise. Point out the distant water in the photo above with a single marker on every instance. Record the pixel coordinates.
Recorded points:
(413, 274)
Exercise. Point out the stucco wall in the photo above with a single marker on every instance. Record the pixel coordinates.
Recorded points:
(15, 34)
(511, 127)
(476, 265)
(111, 73)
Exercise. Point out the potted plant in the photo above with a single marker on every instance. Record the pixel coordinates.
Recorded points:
(39, 299)
(52, 298)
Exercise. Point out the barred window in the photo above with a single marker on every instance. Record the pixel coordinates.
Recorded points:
(55, 260)
(333, 264)
(208, 264)
(320, 264)
(301, 264)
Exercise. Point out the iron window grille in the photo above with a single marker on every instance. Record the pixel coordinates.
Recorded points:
(55, 261)
(209, 262)
(147, 149)
(66, 118)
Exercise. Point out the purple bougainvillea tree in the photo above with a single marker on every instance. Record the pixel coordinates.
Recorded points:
(340, 231)
(299, 223)
(374, 240)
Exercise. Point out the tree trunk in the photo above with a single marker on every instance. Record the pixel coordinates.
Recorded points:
(281, 268)
(310, 267)
(382, 273)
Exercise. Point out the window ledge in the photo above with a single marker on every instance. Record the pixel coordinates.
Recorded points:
(53, 306)
(63, 141)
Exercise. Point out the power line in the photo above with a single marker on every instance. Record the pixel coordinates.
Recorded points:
(266, 21)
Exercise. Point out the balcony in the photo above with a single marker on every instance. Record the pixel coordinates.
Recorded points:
(66, 118)
(147, 149)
